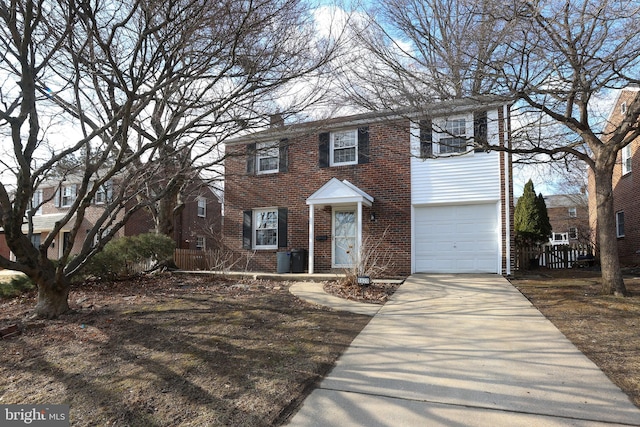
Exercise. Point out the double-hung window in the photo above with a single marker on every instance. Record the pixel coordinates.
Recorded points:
(620, 224)
(573, 233)
(344, 148)
(104, 193)
(36, 202)
(265, 228)
(573, 212)
(453, 138)
(65, 195)
(202, 207)
(267, 157)
(626, 159)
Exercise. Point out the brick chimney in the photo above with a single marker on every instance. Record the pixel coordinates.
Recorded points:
(276, 120)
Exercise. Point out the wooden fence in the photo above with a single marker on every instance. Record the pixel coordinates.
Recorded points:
(195, 259)
(555, 257)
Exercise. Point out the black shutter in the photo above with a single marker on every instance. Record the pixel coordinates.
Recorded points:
(426, 138)
(247, 229)
(282, 227)
(251, 159)
(323, 150)
(480, 131)
(363, 145)
(283, 156)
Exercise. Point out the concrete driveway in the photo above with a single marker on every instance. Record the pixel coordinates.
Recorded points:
(464, 350)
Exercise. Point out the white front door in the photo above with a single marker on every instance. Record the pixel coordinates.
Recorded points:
(345, 247)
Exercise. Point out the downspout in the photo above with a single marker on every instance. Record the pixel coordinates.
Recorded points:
(507, 183)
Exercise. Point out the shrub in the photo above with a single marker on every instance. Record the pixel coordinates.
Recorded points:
(126, 256)
(375, 260)
(15, 286)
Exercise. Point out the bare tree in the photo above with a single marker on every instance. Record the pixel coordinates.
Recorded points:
(554, 59)
(144, 92)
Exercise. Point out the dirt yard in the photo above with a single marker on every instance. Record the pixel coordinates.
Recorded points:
(176, 350)
(173, 350)
(605, 328)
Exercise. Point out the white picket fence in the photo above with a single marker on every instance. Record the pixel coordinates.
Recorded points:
(554, 257)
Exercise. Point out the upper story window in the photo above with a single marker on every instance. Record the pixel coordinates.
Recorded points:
(202, 207)
(573, 212)
(267, 157)
(626, 159)
(36, 202)
(620, 224)
(453, 137)
(623, 108)
(65, 195)
(104, 193)
(344, 148)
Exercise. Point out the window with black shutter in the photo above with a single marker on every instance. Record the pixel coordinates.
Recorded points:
(363, 145)
(480, 131)
(323, 149)
(426, 138)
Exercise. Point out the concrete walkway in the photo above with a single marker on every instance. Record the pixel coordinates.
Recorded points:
(313, 292)
(463, 350)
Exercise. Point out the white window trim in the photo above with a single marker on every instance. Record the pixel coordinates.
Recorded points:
(573, 212)
(36, 202)
(68, 194)
(626, 159)
(331, 148)
(202, 205)
(254, 229)
(262, 150)
(618, 214)
(104, 193)
(201, 243)
(574, 231)
(439, 132)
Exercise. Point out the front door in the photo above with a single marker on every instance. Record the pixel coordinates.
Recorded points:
(344, 238)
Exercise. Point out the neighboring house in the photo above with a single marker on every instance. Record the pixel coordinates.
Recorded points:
(569, 218)
(198, 225)
(626, 187)
(412, 187)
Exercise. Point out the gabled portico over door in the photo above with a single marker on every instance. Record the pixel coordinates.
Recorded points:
(346, 201)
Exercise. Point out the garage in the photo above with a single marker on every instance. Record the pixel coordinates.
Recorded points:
(457, 239)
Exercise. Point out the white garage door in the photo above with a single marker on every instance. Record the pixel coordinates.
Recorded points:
(457, 239)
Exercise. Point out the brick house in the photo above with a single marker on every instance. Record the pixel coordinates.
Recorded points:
(197, 227)
(413, 187)
(626, 188)
(569, 218)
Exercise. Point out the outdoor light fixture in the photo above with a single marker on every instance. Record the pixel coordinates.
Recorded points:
(373, 216)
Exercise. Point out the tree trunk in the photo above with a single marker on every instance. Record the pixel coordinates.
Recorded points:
(612, 282)
(52, 298)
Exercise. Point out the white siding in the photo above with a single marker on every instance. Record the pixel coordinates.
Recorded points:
(473, 177)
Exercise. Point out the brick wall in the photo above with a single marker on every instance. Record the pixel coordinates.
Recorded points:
(386, 178)
(558, 209)
(626, 192)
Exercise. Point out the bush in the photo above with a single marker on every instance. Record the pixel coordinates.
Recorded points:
(126, 256)
(15, 286)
